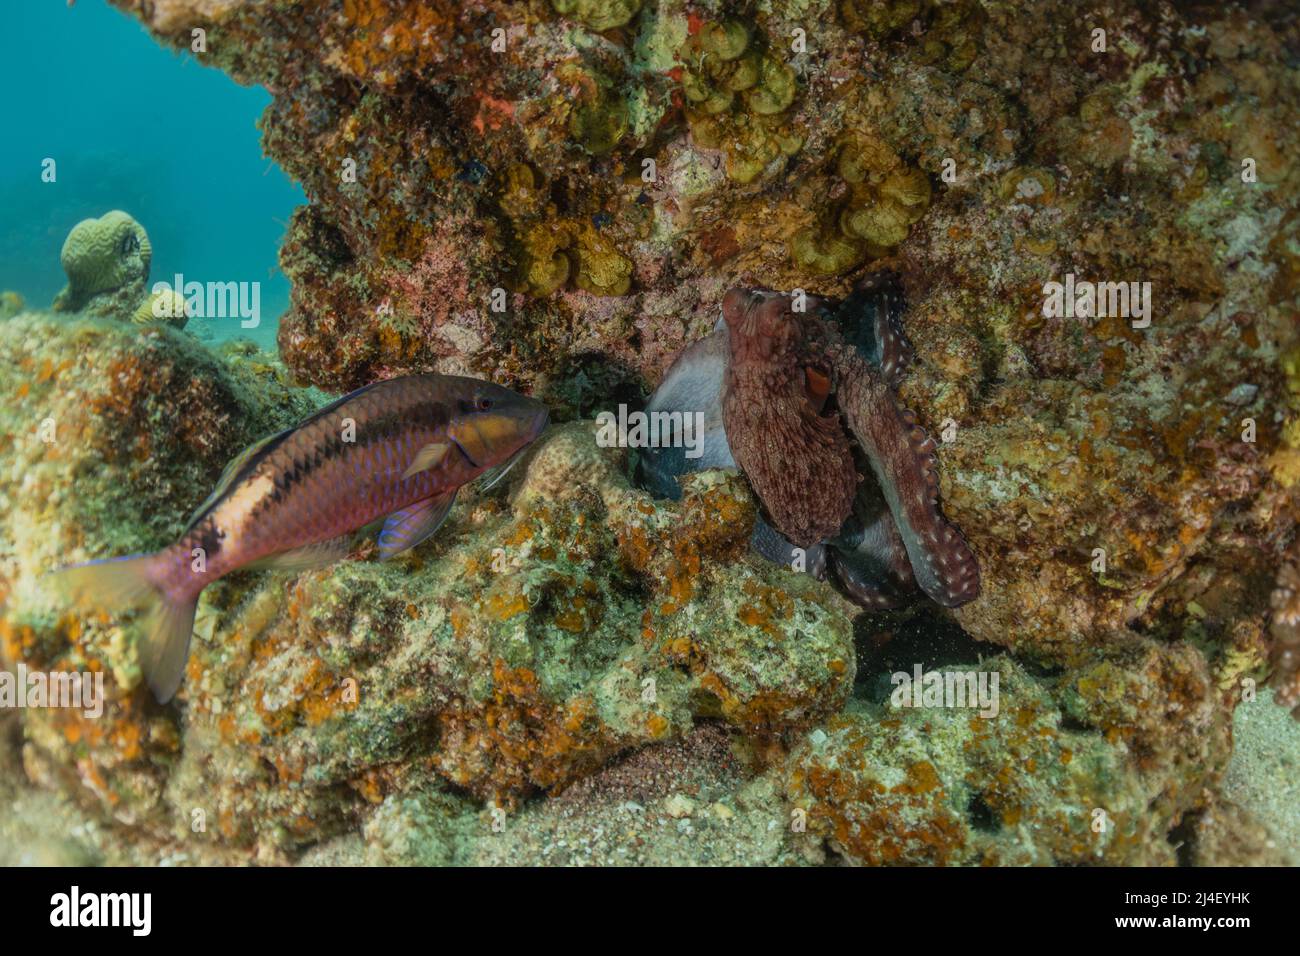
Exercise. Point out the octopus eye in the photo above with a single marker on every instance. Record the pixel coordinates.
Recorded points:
(130, 244)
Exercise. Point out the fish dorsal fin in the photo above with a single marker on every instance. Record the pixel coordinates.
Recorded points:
(228, 474)
(427, 457)
(309, 556)
(406, 528)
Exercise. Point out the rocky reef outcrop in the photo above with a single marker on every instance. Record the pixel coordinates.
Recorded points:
(567, 655)
(557, 196)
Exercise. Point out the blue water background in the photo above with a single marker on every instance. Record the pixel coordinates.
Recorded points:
(137, 127)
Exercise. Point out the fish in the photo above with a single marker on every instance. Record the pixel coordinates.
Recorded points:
(398, 449)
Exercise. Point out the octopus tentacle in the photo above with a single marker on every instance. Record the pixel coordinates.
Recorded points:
(865, 588)
(870, 561)
(869, 557)
(772, 545)
(871, 318)
(903, 461)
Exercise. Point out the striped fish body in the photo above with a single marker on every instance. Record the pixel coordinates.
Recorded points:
(338, 471)
(397, 449)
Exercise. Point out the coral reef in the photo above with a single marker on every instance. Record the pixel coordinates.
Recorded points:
(996, 155)
(566, 639)
(938, 786)
(107, 263)
(1127, 480)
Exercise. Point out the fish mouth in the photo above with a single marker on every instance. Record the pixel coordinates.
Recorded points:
(487, 440)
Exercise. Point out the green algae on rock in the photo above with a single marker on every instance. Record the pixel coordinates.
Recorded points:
(888, 784)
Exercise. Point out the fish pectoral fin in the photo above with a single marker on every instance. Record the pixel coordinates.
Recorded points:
(427, 457)
(310, 556)
(406, 528)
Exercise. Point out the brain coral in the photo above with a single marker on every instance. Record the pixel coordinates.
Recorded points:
(165, 305)
(103, 255)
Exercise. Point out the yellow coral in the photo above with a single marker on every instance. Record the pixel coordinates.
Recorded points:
(951, 30)
(879, 18)
(599, 15)
(521, 191)
(599, 117)
(549, 250)
(826, 251)
(736, 93)
(886, 198)
(602, 269)
(543, 266)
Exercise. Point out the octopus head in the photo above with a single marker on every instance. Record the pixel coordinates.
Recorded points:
(790, 445)
(762, 320)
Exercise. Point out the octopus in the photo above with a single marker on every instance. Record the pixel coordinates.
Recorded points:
(798, 393)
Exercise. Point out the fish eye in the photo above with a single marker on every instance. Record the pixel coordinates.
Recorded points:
(484, 403)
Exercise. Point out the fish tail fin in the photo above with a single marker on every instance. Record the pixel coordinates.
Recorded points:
(129, 582)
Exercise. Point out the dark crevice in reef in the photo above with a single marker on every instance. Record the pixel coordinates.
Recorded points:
(981, 816)
(1183, 839)
(899, 640)
(590, 383)
(1074, 724)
